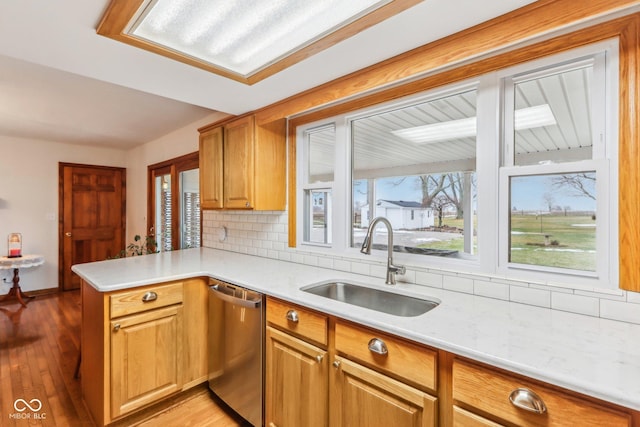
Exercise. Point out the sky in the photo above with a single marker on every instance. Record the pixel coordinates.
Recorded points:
(528, 193)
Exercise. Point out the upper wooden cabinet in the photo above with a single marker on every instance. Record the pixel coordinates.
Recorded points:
(211, 168)
(243, 165)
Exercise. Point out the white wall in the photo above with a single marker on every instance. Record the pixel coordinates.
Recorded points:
(175, 144)
(29, 200)
(29, 191)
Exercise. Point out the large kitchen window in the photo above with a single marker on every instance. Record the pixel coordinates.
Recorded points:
(511, 174)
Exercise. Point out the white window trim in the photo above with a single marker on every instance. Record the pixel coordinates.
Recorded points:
(490, 260)
(605, 153)
(551, 274)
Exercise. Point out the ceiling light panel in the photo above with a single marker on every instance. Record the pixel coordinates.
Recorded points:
(524, 118)
(244, 36)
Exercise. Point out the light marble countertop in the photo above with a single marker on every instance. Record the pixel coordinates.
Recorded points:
(594, 356)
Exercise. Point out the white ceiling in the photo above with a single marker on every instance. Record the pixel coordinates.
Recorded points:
(60, 81)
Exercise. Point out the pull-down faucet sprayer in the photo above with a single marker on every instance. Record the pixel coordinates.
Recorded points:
(392, 269)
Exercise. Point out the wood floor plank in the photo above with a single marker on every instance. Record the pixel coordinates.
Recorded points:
(39, 348)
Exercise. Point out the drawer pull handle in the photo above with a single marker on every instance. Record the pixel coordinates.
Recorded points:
(336, 364)
(319, 358)
(528, 400)
(376, 345)
(292, 316)
(149, 296)
(116, 327)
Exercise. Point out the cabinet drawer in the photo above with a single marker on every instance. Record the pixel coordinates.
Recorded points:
(142, 299)
(297, 320)
(410, 362)
(462, 418)
(489, 391)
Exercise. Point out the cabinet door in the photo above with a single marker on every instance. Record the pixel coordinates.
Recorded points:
(362, 397)
(238, 164)
(146, 362)
(211, 169)
(296, 382)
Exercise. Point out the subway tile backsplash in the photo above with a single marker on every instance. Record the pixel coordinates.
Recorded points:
(265, 234)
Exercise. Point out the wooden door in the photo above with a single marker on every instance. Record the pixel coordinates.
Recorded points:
(362, 397)
(296, 382)
(238, 164)
(92, 217)
(146, 358)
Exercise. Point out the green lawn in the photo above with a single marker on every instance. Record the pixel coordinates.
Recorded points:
(574, 239)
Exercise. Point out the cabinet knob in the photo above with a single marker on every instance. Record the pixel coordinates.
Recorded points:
(116, 327)
(292, 316)
(376, 345)
(336, 364)
(319, 358)
(149, 296)
(526, 399)
(248, 205)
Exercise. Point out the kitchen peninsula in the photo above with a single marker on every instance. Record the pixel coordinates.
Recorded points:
(591, 356)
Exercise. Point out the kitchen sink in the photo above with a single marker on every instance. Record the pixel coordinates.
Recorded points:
(372, 298)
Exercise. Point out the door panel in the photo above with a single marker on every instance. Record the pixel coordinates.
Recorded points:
(92, 218)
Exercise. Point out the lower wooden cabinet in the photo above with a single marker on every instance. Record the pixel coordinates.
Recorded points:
(141, 345)
(362, 397)
(296, 382)
(514, 400)
(146, 358)
(308, 385)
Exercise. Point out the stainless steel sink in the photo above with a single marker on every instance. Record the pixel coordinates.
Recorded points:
(374, 299)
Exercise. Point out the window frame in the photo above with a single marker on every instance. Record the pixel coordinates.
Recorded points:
(489, 160)
(604, 56)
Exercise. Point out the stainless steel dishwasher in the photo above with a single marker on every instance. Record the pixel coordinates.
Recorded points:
(236, 341)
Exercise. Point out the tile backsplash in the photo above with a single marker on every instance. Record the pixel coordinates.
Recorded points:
(265, 234)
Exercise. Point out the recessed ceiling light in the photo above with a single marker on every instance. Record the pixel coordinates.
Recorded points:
(243, 39)
(524, 118)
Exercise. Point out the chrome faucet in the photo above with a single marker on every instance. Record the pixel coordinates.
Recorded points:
(392, 269)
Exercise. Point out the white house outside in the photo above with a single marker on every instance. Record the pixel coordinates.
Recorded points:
(401, 214)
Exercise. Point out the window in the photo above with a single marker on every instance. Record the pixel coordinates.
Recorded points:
(511, 174)
(557, 187)
(418, 158)
(319, 158)
(174, 202)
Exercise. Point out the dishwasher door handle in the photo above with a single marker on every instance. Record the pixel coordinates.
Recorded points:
(248, 303)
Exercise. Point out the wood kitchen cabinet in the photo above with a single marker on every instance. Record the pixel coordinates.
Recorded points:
(243, 165)
(362, 397)
(482, 396)
(211, 172)
(146, 358)
(307, 351)
(297, 383)
(140, 345)
(380, 380)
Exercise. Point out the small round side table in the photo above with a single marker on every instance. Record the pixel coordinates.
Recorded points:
(25, 261)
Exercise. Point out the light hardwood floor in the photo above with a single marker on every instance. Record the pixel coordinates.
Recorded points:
(38, 353)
